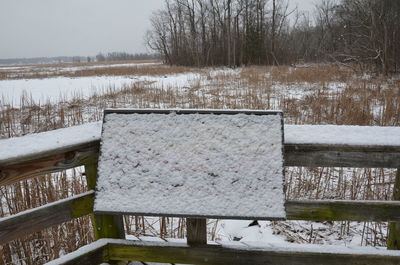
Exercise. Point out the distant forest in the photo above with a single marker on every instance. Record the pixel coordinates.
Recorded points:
(123, 56)
(100, 57)
(358, 33)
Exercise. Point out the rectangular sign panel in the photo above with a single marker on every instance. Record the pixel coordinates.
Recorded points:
(192, 163)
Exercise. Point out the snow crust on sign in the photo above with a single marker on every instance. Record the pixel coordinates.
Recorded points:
(342, 135)
(34, 144)
(195, 164)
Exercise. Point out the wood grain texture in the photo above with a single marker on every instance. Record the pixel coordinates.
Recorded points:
(324, 210)
(37, 219)
(91, 145)
(307, 155)
(196, 231)
(57, 161)
(183, 254)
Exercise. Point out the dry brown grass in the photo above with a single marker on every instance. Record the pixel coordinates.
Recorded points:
(357, 102)
(41, 247)
(298, 74)
(79, 64)
(92, 69)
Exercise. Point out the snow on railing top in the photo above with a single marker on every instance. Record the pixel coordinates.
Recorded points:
(13, 148)
(342, 135)
(294, 134)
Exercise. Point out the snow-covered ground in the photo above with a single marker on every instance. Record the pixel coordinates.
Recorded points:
(65, 69)
(174, 81)
(102, 66)
(53, 90)
(62, 88)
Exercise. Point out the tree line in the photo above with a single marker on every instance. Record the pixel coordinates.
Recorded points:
(123, 56)
(363, 33)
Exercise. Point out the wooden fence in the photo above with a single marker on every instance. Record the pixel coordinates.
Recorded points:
(85, 154)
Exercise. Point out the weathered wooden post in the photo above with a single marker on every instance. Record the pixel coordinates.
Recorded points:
(196, 230)
(104, 226)
(393, 241)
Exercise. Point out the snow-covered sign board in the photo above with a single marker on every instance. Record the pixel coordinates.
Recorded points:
(192, 163)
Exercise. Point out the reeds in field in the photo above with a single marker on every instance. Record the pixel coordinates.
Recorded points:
(124, 68)
(308, 95)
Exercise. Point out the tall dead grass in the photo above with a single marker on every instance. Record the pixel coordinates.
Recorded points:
(48, 244)
(92, 69)
(312, 95)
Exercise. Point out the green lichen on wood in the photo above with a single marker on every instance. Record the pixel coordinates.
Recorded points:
(104, 226)
(155, 254)
(376, 211)
(82, 206)
(108, 226)
(219, 255)
(91, 174)
(322, 214)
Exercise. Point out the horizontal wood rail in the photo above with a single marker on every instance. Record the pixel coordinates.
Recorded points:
(61, 211)
(51, 214)
(55, 160)
(318, 155)
(106, 250)
(340, 210)
(181, 253)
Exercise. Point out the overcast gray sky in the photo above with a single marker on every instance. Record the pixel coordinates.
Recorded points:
(36, 28)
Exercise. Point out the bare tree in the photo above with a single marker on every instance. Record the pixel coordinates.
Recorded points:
(235, 32)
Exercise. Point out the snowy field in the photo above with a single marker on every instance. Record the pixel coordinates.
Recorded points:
(54, 90)
(60, 87)
(63, 88)
(65, 68)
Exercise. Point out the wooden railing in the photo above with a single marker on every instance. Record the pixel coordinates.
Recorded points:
(85, 154)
